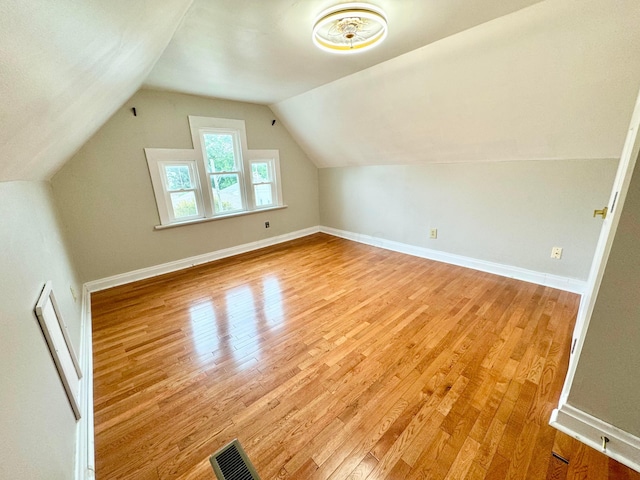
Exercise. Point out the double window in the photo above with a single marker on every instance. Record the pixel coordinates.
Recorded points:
(219, 177)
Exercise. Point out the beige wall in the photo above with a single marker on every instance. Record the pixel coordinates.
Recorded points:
(107, 203)
(505, 212)
(37, 426)
(511, 213)
(607, 382)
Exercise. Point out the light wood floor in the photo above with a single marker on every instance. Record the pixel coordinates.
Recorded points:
(331, 359)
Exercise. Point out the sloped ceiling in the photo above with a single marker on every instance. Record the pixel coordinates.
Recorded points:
(261, 51)
(65, 67)
(457, 80)
(557, 80)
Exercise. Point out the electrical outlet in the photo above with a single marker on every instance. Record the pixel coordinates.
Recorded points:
(556, 252)
(433, 233)
(266, 224)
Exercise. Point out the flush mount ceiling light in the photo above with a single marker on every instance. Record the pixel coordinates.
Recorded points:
(350, 28)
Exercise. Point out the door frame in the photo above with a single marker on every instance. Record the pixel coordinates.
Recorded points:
(566, 418)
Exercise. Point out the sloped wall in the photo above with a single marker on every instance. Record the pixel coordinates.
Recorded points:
(37, 425)
(65, 67)
(555, 81)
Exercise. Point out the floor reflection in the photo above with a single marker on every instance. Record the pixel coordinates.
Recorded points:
(233, 325)
(272, 302)
(204, 327)
(241, 333)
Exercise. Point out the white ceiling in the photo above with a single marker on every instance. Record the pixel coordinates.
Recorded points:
(557, 80)
(456, 80)
(261, 51)
(65, 67)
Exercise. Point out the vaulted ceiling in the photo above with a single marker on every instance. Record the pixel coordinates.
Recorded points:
(555, 81)
(261, 51)
(65, 67)
(456, 80)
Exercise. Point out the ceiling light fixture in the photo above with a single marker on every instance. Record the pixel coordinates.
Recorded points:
(350, 28)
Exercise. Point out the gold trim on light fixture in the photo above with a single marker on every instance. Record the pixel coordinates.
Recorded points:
(350, 28)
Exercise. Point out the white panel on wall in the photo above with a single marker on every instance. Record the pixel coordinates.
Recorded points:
(55, 331)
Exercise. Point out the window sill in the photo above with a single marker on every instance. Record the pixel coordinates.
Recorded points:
(219, 217)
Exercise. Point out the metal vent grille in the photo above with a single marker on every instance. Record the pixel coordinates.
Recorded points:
(231, 463)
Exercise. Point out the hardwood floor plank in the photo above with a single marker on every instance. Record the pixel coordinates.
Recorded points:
(430, 460)
(368, 441)
(330, 359)
(363, 469)
(464, 460)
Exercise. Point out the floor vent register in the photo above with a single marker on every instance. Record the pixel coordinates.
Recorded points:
(231, 463)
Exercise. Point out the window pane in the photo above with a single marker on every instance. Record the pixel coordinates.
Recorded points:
(263, 194)
(184, 204)
(260, 172)
(220, 152)
(226, 193)
(178, 177)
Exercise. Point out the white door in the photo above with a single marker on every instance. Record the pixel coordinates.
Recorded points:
(603, 248)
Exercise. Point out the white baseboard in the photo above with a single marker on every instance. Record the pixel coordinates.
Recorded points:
(622, 446)
(555, 281)
(169, 267)
(85, 457)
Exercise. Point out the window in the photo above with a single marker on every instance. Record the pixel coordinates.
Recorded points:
(262, 183)
(220, 177)
(176, 185)
(264, 166)
(179, 181)
(224, 168)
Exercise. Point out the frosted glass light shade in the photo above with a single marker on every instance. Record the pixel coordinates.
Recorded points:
(350, 28)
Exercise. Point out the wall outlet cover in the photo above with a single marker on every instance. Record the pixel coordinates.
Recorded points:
(556, 252)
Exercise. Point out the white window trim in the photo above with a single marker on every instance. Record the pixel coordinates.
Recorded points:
(219, 217)
(199, 125)
(272, 157)
(156, 157)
